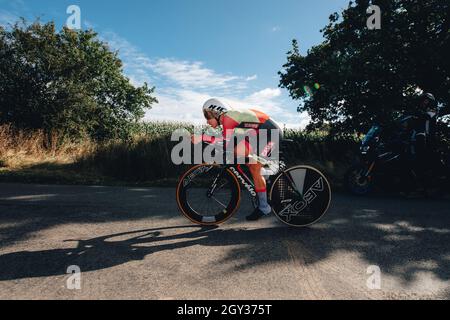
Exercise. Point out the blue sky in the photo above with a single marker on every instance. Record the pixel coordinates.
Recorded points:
(191, 50)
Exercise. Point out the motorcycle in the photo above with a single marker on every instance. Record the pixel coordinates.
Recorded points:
(387, 159)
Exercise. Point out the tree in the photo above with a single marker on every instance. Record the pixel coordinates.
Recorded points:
(368, 76)
(67, 81)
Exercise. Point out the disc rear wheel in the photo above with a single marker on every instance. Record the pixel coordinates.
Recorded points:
(300, 196)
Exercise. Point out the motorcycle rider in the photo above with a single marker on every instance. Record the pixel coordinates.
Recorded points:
(426, 122)
(420, 128)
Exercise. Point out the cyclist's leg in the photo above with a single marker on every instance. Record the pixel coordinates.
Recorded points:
(244, 149)
(260, 187)
(265, 153)
(258, 179)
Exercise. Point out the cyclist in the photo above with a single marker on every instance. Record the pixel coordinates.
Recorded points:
(242, 121)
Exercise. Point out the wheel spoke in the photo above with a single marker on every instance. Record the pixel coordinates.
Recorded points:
(202, 207)
(217, 202)
(215, 199)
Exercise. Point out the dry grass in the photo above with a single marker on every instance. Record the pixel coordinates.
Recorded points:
(20, 149)
(33, 156)
(143, 159)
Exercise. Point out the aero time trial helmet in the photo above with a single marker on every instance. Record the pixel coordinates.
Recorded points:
(213, 109)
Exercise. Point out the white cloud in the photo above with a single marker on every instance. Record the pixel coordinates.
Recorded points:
(178, 73)
(183, 86)
(267, 93)
(193, 74)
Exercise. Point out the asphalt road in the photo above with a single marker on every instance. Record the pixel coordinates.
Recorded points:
(131, 243)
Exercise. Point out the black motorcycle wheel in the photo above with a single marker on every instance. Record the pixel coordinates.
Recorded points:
(356, 182)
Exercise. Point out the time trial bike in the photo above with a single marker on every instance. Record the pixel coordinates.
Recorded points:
(210, 194)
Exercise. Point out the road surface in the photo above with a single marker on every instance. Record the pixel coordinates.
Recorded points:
(131, 243)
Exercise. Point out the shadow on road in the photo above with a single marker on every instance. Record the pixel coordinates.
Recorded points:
(27, 209)
(403, 237)
(402, 252)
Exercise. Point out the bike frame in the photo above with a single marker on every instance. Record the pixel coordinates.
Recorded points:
(242, 177)
(247, 182)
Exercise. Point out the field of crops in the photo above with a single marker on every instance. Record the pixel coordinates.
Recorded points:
(143, 159)
(148, 156)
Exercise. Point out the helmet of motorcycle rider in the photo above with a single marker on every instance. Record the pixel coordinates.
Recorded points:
(429, 104)
(428, 100)
(214, 109)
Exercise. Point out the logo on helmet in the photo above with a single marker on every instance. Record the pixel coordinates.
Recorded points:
(217, 108)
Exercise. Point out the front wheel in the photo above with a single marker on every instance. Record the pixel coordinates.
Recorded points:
(300, 196)
(208, 195)
(357, 182)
